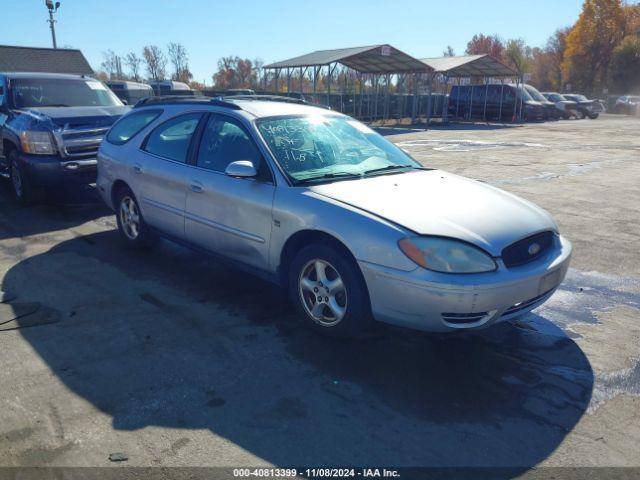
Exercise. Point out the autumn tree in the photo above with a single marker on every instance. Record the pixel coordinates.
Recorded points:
(110, 64)
(155, 61)
(134, 62)
(486, 44)
(180, 60)
(591, 42)
(235, 72)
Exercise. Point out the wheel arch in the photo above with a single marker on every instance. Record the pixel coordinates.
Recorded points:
(301, 239)
(117, 186)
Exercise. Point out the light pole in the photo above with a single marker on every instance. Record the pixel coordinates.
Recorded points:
(52, 9)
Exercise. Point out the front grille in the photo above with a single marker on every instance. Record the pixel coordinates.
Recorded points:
(518, 307)
(462, 318)
(523, 251)
(80, 143)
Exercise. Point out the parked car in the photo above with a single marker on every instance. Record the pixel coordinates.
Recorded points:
(319, 203)
(238, 91)
(130, 92)
(50, 128)
(586, 107)
(628, 104)
(567, 108)
(170, 87)
(550, 110)
(493, 101)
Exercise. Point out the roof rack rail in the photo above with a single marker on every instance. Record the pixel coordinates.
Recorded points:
(185, 99)
(274, 98)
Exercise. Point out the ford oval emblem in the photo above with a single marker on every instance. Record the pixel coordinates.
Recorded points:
(533, 248)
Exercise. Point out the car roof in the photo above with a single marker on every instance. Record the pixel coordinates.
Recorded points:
(68, 76)
(265, 108)
(250, 105)
(129, 84)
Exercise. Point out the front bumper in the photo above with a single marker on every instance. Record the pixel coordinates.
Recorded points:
(54, 171)
(441, 302)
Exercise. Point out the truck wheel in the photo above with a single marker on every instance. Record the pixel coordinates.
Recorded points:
(133, 230)
(593, 116)
(329, 292)
(20, 184)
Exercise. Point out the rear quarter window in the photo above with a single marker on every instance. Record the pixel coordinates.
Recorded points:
(129, 126)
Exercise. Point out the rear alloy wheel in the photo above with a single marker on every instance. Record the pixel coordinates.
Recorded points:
(131, 225)
(328, 289)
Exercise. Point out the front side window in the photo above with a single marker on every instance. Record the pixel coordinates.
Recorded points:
(130, 125)
(317, 147)
(224, 141)
(171, 140)
(61, 92)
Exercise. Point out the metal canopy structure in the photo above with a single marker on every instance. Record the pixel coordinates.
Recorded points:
(370, 63)
(376, 59)
(473, 68)
(470, 66)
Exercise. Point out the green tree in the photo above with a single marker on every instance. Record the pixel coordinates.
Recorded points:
(625, 65)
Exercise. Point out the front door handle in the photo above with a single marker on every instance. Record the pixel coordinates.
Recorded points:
(196, 187)
(137, 168)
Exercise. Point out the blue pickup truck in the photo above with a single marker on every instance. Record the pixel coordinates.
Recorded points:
(51, 126)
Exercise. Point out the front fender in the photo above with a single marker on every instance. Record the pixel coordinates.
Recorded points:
(368, 237)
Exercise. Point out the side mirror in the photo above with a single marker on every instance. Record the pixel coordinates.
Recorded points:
(124, 101)
(241, 169)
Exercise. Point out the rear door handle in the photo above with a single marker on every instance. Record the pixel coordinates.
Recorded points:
(137, 168)
(196, 187)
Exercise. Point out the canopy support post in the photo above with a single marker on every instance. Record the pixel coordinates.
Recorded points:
(486, 94)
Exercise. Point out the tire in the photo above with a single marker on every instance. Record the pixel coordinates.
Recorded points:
(582, 115)
(346, 311)
(593, 116)
(132, 228)
(566, 115)
(21, 188)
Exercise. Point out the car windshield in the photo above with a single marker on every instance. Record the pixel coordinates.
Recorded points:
(554, 97)
(61, 92)
(535, 94)
(320, 147)
(525, 95)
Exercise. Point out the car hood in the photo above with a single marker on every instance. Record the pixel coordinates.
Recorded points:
(433, 202)
(78, 117)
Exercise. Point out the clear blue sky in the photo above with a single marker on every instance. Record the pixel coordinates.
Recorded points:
(278, 29)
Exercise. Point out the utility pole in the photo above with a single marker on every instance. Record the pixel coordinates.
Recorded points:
(52, 9)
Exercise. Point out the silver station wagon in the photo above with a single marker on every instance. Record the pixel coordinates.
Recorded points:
(316, 201)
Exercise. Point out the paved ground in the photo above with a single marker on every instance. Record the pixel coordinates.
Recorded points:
(175, 360)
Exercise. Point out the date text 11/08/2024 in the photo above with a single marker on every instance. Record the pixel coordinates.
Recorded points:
(316, 472)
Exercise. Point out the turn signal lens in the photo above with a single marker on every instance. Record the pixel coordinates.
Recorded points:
(37, 143)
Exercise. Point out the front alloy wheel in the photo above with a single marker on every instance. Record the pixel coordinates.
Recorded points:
(16, 181)
(322, 292)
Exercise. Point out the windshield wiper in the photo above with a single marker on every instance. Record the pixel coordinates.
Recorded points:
(388, 167)
(327, 176)
(55, 105)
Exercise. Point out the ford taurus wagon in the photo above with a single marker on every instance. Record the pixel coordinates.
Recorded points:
(351, 225)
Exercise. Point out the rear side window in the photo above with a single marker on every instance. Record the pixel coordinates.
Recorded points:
(171, 139)
(129, 126)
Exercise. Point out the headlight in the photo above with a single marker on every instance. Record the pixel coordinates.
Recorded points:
(446, 255)
(39, 143)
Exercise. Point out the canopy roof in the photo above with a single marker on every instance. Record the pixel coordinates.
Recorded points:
(371, 59)
(470, 66)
